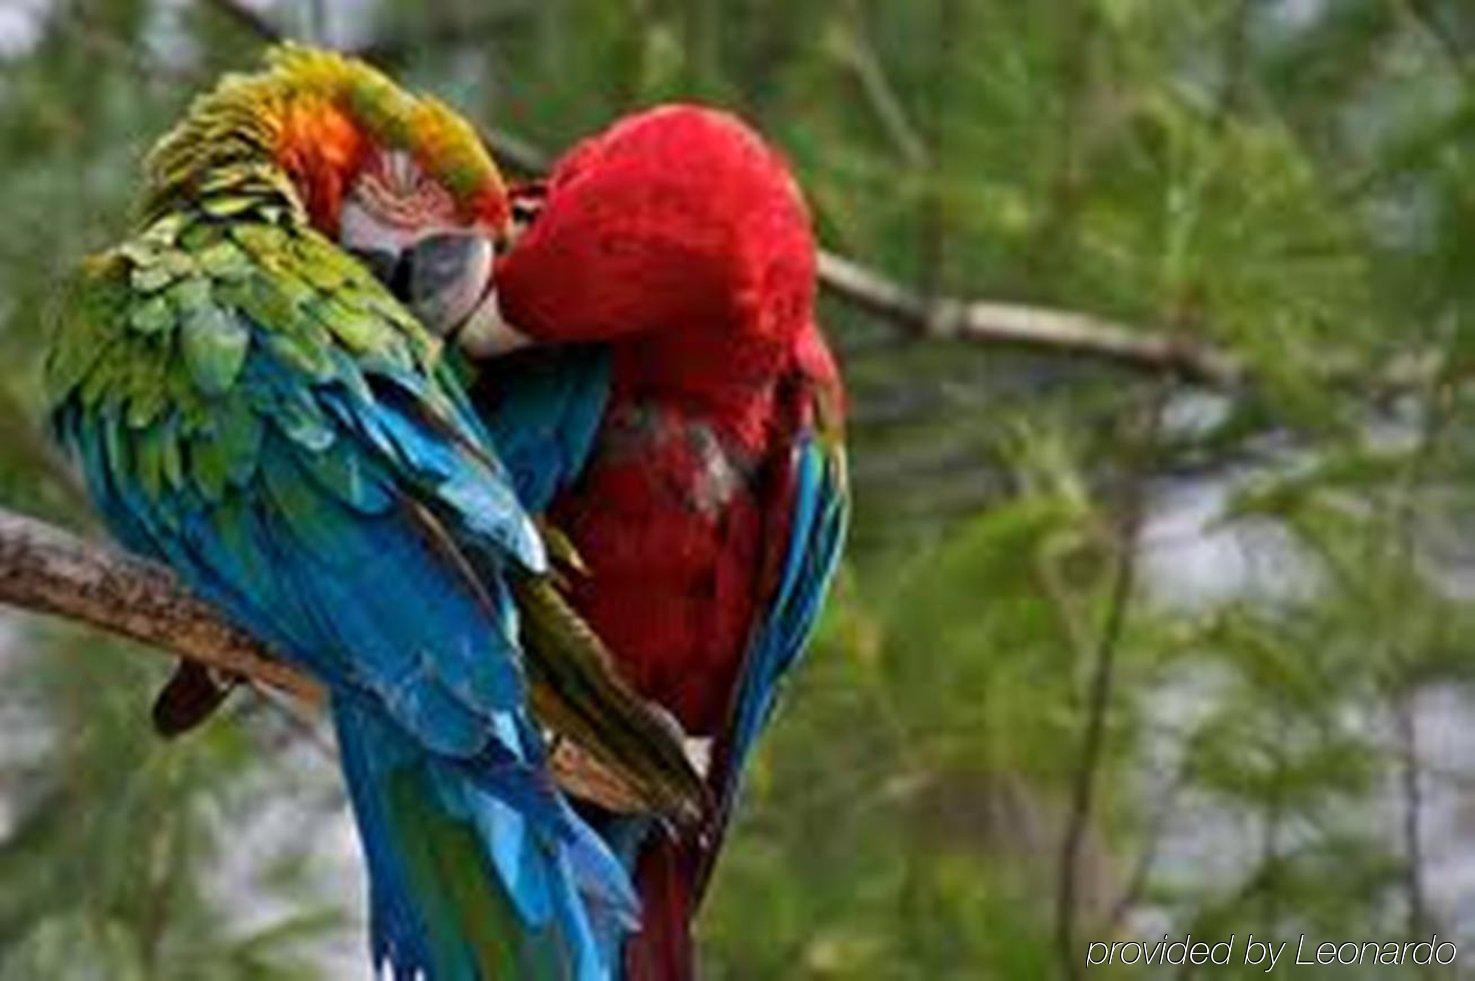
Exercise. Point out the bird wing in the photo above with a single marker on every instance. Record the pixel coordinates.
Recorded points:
(251, 408)
(257, 412)
(543, 407)
(252, 386)
(810, 498)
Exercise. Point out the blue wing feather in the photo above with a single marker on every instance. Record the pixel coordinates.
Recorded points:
(543, 409)
(819, 515)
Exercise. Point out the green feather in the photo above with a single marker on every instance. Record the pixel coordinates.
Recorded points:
(153, 316)
(209, 466)
(151, 277)
(475, 930)
(239, 435)
(150, 456)
(191, 295)
(225, 261)
(347, 474)
(577, 692)
(222, 206)
(214, 345)
(165, 230)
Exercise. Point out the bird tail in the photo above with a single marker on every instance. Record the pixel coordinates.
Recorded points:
(476, 872)
(665, 876)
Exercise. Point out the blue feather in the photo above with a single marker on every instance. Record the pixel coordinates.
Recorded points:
(543, 408)
(335, 520)
(816, 539)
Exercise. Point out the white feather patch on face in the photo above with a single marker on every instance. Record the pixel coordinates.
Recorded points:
(360, 228)
(487, 334)
(392, 202)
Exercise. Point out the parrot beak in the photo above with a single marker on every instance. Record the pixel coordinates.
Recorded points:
(443, 279)
(447, 282)
(486, 333)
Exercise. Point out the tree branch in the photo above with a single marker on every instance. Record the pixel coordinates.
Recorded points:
(1094, 736)
(46, 569)
(248, 19)
(1040, 329)
(449, 30)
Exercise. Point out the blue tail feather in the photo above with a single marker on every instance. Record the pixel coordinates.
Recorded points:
(465, 884)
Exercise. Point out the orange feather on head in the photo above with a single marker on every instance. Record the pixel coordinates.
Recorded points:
(322, 149)
(319, 117)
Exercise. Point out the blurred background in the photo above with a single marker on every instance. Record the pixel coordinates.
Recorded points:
(1175, 641)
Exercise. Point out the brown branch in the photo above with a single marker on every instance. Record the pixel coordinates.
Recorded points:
(44, 568)
(247, 18)
(1103, 679)
(48, 570)
(453, 30)
(461, 31)
(1031, 328)
(1411, 790)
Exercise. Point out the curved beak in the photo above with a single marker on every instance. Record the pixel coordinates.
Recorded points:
(441, 278)
(486, 333)
(445, 280)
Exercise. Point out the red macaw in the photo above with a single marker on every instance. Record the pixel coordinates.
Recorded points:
(664, 277)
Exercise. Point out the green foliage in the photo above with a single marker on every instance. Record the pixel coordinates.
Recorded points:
(1291, 180)
(114, 857)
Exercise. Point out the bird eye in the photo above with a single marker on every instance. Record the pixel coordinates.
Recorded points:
(525, 206)
(380, 262)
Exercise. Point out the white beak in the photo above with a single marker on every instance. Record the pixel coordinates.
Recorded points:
(486, 333)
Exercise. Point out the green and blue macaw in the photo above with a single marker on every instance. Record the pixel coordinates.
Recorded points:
(251, 406)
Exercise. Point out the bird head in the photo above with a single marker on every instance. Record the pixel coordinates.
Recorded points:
(401, 181)
(677, 221)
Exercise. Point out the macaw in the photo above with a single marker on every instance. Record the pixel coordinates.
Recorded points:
(652, 371)
(250, 405)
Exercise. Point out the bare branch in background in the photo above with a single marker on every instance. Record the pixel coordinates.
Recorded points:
(247, 18)
(1435, 29)
(445, 30)
(1039, 329)
(1410, 786)
(1103, 672)
(851, 45)
(460, 31)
